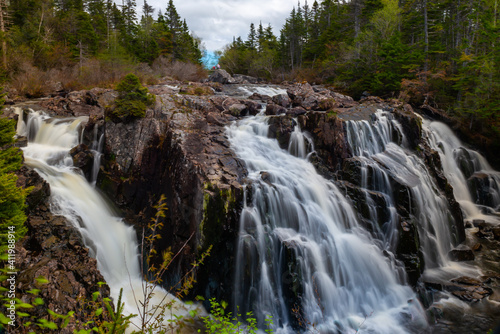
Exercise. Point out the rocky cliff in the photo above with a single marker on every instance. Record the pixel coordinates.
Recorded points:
(180, 150)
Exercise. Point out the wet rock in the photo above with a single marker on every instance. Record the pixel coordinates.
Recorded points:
(461, 255)
(496, 233)
(274, 109)
(257, 96)
(479, 223)
(282, 100)
(480, 185)
(477, 247)
(281, 127)
(408, 250)
(434, 165)
(297, 111)
(468, 289)
(83, 158)
(238, 110)
(330, 139)
(253, 108)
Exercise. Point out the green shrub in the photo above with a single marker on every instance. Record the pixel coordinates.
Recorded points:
(12, 198)
(133, 99)
(222, 322)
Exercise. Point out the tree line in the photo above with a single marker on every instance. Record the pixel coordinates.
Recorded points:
(438, 53)
(58, 33)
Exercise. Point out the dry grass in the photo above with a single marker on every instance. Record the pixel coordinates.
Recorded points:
(32, 82)
(178, 70)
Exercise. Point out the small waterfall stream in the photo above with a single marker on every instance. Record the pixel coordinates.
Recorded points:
(109, 239)
(381, 147)
(303, 258)
(476, 185)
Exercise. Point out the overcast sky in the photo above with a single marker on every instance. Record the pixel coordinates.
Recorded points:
(217, 21)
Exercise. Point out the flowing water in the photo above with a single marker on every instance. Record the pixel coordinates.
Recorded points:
(463, 166)
(303, 258)
(382, 149)
(109, 239)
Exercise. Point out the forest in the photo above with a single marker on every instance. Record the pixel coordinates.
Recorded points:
(88, 43)
(438, 53)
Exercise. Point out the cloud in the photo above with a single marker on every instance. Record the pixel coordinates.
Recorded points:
(216, 22)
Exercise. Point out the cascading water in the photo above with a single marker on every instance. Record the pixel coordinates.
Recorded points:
(476, 185)
(380, 145)
(303, 258)
(110, 241)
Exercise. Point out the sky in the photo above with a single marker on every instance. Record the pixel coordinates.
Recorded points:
(217, 21)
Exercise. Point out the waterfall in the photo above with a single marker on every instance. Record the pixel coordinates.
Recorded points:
(303, 258)
(381, 146)
(476, 185)
(108, 238)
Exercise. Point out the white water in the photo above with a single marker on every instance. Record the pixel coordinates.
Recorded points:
(248, 90)
(300, 235)
(373, 142)
(109, 239)
(460, 163)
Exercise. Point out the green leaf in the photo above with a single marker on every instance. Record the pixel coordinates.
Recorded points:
(38, 301)
(3, 319)
(23, 305)
(98, 312)
(42, 280)
(95, 295)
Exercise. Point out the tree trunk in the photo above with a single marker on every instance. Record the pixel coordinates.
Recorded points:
(426, 38)
(3, 6)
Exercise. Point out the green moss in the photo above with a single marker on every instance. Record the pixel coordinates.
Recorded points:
(217, 204)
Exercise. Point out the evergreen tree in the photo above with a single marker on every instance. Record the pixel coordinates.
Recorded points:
(12, 198)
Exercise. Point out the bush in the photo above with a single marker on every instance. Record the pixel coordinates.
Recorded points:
(30, 81)
(12, 198)
(179, 70)
(133, 99)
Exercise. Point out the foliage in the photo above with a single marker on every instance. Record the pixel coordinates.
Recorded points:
(99, 315)
(222, 322)
(437, 52)
(133, 99)
(45, 35)
(12, 198)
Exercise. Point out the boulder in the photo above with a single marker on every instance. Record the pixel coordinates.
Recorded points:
(221, 76)
(83, 158)
(297, 111)
(274, 109)
(461, 255)
(238, 109)
(282, 100)
(245, 79)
